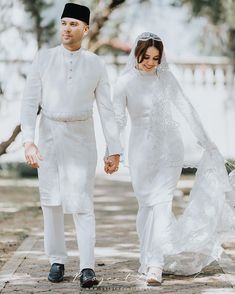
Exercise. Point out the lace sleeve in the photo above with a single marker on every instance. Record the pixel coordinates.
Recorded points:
(176, 95)
(119, 105)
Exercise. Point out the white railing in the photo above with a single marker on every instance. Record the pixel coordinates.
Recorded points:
(197, 70)
(203, 70)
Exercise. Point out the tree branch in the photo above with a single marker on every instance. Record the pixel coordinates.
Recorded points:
(114, 43)
(101, 18)
(4, 145)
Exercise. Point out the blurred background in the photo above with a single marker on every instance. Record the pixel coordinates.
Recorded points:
(199, 39)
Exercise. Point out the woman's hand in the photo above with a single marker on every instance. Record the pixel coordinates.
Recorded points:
(32, 154)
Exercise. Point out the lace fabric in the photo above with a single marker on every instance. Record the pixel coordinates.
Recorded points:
(196, 234)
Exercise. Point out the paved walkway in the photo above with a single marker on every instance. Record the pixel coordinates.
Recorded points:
(117, 254)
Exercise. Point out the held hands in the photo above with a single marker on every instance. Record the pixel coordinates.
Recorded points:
(32, 154)
(111, 163)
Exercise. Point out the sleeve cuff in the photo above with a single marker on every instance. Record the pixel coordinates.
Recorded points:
(27, 139)
(114, 149)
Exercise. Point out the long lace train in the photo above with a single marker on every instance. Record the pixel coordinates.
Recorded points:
(196, 234)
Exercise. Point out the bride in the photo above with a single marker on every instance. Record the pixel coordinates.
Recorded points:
(148, 89)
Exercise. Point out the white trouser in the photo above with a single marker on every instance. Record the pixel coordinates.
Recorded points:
(54, 241)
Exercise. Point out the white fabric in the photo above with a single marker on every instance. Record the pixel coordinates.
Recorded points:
(153, 227)
(156, 156)
(54, 240)
(67, 171)
(231, 194)
(66, 84)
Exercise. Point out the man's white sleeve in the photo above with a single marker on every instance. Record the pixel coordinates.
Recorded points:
(106, 113)
(30, 102)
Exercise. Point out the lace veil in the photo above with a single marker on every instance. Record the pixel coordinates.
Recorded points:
(131, 62)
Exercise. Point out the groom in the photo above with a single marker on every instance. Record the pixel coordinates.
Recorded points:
(65, 81)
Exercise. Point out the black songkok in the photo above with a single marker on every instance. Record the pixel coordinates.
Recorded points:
(76, 11)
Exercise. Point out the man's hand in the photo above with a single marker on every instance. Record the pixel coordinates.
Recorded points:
(32, 154)
(111, 163)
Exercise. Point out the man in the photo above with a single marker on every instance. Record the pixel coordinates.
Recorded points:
(65, 81)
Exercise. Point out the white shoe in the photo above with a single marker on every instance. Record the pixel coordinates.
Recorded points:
(154, 276)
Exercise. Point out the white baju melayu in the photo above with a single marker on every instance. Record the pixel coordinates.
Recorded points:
(66, 83)
(156, 156)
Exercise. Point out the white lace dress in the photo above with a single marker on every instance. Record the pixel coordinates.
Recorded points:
(156, 156)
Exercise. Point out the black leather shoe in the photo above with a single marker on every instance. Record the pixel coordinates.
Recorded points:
(56, 273)
(88, 278)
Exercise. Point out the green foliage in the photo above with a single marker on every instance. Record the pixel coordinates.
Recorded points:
(35, 8)
(217, 11)
(221, 25)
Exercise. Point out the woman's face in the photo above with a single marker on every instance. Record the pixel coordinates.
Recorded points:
(150, 61)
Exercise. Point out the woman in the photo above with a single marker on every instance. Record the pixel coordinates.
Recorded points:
(148, 90)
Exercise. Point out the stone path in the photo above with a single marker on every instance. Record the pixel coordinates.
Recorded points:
(117, 254)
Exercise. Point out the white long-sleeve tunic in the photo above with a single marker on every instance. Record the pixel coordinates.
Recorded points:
(66, 84)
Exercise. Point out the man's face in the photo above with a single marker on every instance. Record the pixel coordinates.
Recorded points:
(72, 30)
